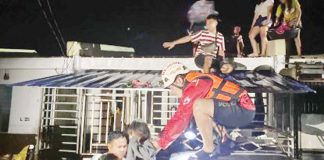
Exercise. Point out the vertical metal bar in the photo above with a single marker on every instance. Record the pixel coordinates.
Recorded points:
(45, 113)
(299, 110)
(293, 127)
(107, 122)
(79, 109)
(139, 104)
(114, 108)
(123, 114)
(100, 122)
(164, 107)
(53, 108)
(115, 116)
(268, 110)
(48, 107)
(283, 116)
(92, 121)
(145, 107)
(152, 107)
(132, 106)
(127, 108)
(273, 111)
(82, 123)
(40, 130)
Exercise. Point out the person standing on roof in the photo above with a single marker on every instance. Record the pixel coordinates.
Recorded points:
(208, 98)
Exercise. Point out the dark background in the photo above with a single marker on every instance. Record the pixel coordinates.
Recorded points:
(150, 22)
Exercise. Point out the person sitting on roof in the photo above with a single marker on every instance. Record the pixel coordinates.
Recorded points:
(211, 44)
(235, 44)
(291, 12)
(260, 25)
(208, 98)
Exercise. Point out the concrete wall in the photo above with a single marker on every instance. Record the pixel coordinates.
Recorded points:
(25, 110)
(23, 69)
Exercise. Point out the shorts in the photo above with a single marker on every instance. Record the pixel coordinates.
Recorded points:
(259, 21)
(200, 60)
(231, 114)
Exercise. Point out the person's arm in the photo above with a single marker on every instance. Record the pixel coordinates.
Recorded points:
(132, 145)
(180, 120)
(279, 12)
(170, 45)
(270, 7)
(255, 17)
(238, 49)
(254, 20)
(221, 51)
(298, 12)
(137, 150)
(146, 150)
(239, 45)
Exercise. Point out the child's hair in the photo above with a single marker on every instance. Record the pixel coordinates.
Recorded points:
(289, 5)
(141, 129)
(214, 16)
(260, 1)
(115, 135)
(109, 156)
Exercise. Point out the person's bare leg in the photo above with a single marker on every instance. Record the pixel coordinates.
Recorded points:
(207, 64)
(253, 33)
(264, 40)
(298, 44)
(203, 110)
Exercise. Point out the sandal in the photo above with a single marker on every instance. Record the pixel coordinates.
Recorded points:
(202, 155)
(253, 55)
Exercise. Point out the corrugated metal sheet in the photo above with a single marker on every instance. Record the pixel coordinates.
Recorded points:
(261, 81)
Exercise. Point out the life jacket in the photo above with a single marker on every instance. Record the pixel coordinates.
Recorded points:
(221, 89)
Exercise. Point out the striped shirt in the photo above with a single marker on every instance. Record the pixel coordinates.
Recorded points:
(205, 37)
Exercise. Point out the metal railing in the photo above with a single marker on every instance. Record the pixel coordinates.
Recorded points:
(60, 120)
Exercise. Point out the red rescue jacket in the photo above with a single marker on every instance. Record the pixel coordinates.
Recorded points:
(201, 86)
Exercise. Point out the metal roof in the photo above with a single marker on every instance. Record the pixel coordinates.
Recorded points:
(254, 81)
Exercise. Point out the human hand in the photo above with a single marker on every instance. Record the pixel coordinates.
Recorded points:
(168, 45)
(209, 54)
(266, 22)
(156, 144)
(293, 23)
(226, 68)
(189, 32)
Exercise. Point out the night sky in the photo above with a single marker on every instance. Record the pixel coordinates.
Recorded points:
(142, 24)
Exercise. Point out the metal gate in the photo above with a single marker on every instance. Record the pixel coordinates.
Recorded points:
(60, 122)
(105, 110)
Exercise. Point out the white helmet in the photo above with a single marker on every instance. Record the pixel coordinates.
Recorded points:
(170, 73)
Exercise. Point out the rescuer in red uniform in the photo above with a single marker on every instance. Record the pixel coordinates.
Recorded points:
(208, 98)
